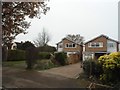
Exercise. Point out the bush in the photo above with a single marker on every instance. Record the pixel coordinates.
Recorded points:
(31, 57)
(44, 64)
(61, 58)
(16, 55)
(44, 55)
(47, 48)
(111, 67)
(92, 67)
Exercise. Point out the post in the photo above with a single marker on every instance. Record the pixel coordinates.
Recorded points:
(0, 45)
(119, 23)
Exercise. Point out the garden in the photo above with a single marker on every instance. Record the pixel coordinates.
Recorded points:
(105, 70)
(34, 59)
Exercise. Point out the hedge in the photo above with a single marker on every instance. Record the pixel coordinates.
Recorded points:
(44, 55)
(61, 58)
(92, 67)
(16, 55)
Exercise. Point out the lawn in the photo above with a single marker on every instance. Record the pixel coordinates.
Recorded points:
(14, 64)
(40, 65)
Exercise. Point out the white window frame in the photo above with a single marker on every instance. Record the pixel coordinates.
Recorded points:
(95, 44)
(111, 45)
(60, 45)
(69, 45)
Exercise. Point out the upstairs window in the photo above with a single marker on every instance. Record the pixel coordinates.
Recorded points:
(95, 44)
(60, 45)
(70, 45)
(111, 45)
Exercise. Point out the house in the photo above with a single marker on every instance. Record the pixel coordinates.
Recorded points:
(72, 49)
(99, 46)
(14, 46)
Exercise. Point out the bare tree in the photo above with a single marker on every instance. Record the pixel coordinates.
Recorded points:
(42, 39)
(76, 38)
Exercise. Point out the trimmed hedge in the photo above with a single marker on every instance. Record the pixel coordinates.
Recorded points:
(44, 55)
(61, 58)
(16, 55)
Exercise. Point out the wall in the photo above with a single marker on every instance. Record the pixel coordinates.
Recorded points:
(77, 48)
(111, 49)
(73, 58)
(60, 49)
(102, 49)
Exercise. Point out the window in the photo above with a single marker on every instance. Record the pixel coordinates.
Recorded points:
(73, 45)
(111, 45)
(70, 45)
(60, 45)
(95, 44)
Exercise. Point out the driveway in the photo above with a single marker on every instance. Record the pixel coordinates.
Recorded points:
(20, 78)
(69, 71)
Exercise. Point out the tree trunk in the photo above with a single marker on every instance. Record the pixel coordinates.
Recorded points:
(4, 53)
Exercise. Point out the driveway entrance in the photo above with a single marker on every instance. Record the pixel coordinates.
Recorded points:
(69, 71)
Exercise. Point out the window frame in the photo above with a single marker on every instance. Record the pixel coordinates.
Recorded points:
(111, 45)
(95, 44)
(70, 45)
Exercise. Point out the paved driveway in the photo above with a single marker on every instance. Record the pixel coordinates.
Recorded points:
(16, 78)
(69, 71)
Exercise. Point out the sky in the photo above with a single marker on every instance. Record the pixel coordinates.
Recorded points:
(89, 18)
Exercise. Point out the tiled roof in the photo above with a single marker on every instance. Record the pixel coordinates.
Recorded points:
(102, 35)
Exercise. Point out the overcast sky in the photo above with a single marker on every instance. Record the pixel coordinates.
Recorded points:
(89, 18)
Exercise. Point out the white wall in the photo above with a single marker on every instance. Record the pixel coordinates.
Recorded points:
(60, 49)
(111, 49)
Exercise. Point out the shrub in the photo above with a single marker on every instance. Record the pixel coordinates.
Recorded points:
(44, 64)
(61, 58)
(31, 57)
(16, 55)
(47, 48)
(44, 55)
(92, 67)
(111, 68)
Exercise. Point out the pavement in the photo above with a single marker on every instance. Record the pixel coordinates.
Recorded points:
(69, 71)
(60, 77)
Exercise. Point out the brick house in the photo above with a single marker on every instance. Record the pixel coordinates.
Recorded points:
(72, 49)
(99, 46)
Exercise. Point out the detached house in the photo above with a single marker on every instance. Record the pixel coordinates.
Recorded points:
(71, 48)
(99, 46)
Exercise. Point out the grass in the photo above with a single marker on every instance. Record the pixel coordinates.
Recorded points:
(40, 65)
(14, 64)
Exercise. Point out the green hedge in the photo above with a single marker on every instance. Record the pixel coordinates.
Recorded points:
(16, 55)
(44, 55)
(61, 58)
(92, 67)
